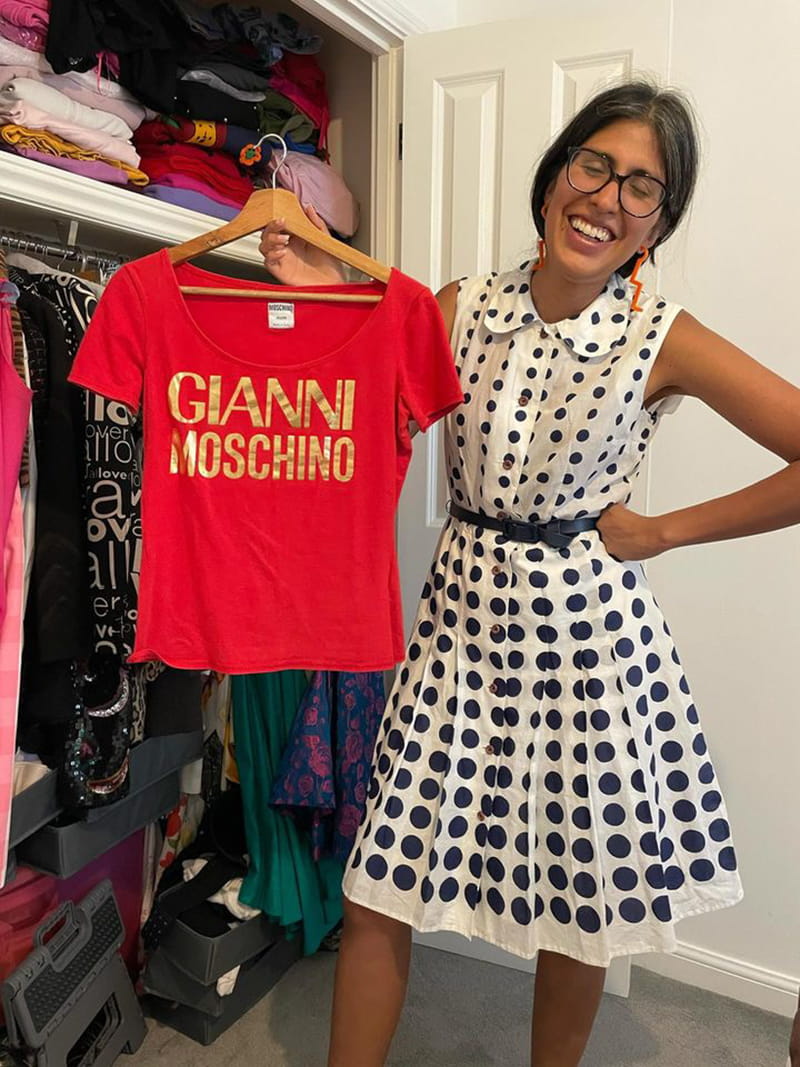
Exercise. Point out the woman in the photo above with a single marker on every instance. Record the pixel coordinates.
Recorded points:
(541, 781)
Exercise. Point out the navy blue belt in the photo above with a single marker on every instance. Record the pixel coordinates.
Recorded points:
(557, 533)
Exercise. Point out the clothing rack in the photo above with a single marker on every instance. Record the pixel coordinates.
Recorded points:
(106, 262)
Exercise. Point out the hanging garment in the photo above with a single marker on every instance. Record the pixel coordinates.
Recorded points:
(541, 779)
(57, 616)
(15, 407)
(324, 772)
(274, 458)
(283, 880)
(10, 654)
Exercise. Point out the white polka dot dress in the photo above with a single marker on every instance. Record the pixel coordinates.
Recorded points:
(541, 780)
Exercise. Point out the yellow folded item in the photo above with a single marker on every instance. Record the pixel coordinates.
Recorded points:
(44, 141)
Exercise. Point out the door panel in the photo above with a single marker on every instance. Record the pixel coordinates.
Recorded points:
(480, 104)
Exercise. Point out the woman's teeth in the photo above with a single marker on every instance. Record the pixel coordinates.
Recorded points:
(586, 228)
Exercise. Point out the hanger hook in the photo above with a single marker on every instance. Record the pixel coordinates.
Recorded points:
(251, 154)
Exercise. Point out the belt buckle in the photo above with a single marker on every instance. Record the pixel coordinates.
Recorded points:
(526, 532)
(553, 536)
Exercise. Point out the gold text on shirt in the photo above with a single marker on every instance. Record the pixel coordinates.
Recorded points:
(215, 400)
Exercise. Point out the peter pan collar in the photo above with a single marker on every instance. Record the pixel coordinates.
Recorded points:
(596, 331)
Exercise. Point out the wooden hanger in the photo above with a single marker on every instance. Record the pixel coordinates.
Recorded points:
(263, 207)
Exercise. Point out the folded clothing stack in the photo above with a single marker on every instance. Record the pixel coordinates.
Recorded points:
(78, 122)
(168, 94)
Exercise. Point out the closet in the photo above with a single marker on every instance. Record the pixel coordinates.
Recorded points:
(76, 223)
(43, 201)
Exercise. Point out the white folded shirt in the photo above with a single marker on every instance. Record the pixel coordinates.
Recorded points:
(56, 103)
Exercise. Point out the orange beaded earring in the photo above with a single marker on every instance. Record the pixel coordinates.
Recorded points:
(542, 255)
(644, 255)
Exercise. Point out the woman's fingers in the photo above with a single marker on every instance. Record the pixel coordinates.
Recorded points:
(319, 222)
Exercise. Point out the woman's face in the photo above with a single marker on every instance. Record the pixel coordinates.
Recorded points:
(631, 146)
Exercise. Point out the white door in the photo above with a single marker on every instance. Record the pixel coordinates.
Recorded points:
(480, 104)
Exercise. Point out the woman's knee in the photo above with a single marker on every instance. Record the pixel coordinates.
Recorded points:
(358, 919)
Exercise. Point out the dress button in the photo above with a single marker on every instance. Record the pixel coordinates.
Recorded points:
(495, 629)
(493, 687)
(490, 750)
(523, 401)
(508, 464)
(481, 817)
(496, 569)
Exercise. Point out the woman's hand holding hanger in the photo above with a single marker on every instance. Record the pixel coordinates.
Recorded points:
(295, 262)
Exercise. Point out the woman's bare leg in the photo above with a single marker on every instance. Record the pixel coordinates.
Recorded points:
(566, 998)
(371, 979)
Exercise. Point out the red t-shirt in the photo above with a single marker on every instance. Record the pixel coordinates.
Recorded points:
(274, 455)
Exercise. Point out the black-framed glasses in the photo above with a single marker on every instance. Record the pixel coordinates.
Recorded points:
(589, 171)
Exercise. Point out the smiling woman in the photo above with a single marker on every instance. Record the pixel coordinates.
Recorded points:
(542, 781)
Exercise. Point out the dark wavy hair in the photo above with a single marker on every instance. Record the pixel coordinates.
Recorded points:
(667, 112)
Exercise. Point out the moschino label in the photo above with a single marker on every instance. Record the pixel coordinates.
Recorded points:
(203, 446)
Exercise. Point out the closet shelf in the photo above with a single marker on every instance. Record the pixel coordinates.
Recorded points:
(52, 191)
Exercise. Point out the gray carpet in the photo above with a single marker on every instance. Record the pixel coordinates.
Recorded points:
(462, 1013)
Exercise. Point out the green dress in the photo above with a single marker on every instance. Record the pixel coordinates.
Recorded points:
(283, 880)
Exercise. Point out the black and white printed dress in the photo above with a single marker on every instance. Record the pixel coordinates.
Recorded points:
(541, 780)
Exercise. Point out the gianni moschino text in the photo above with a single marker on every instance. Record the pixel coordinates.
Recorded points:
(239, 410)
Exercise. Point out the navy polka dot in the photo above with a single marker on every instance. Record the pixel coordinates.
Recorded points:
(541, 757)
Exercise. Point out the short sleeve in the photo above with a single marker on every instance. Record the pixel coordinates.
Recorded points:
(110, 359)
(429, 385)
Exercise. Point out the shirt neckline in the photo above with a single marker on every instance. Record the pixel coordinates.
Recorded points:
(209, 278)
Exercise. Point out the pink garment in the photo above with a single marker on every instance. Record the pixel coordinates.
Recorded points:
(22, 35)
(22, 113)
(89, 168)
(35, 15)
(99, 93)
(14, 52)
(10, 659)
(177, 180)
(15, 409)
(317, 183)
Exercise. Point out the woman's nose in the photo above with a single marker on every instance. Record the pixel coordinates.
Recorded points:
(607, 198)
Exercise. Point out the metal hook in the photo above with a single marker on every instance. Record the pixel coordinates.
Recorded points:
(275, 137)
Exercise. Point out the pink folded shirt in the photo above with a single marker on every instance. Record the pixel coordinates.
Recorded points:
(95, 169)
(34, 15)
(317, 183)
(24, 36)
(48, 99)
(22, 113)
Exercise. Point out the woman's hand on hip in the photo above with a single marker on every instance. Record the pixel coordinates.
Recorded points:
(296, 262)
(628, 535)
